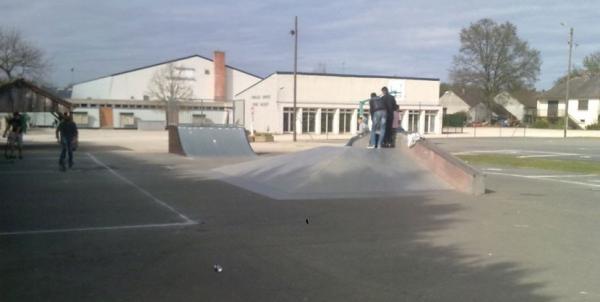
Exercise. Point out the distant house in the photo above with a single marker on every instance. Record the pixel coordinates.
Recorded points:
(518, 106)
(584, 101)
(521, 104)
(452, 103)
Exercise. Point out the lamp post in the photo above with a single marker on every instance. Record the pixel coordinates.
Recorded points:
(568, 82)
(294, 33)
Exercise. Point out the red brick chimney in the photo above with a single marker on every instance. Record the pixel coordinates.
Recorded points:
(220, 76)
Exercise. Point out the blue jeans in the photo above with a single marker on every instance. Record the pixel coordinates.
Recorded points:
(67, 148)
(379, 118)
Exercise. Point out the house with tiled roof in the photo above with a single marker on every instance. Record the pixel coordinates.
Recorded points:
(583, 105)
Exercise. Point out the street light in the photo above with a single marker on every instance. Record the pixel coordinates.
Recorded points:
(568, 80)
(294, 33)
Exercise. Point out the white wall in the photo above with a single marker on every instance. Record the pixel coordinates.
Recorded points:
(136, 84)
(584, 117)
(272, 95)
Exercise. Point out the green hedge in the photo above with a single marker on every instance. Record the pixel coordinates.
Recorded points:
(455, 120)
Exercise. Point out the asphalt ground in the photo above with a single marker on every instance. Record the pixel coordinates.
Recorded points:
(130, 226)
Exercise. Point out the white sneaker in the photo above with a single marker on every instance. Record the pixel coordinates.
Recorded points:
(370, 147)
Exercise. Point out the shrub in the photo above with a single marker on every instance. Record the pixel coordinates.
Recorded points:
(541, 123)
(595, 126)
(457, 119)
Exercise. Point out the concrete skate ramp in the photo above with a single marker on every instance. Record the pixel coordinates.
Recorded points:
(333, 172)
(214, 141)
(452, 170)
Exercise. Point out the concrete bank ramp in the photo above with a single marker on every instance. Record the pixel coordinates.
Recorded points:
(333, 172)
(213, 142)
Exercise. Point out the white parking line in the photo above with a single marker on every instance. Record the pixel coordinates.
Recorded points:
(108, 228)
(586, 184)
(143, 191)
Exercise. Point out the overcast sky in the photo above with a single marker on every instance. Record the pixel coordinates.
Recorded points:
(405, 38)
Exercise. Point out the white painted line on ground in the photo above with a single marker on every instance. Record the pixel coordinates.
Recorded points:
(563, 175)
(548, 179)
(109, 228)
(143, 191)
(511, 151)
(493, 169)
(544, 155)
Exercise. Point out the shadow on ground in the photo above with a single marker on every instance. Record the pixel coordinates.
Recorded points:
(350, 250)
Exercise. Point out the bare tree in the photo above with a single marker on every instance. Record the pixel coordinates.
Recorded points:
(591, 63)
(19, 58)
(493, 59)
(169, 84)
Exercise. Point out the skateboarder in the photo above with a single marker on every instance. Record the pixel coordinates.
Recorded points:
(68, 136)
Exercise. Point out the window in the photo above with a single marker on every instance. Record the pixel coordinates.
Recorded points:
(327, 120)
(582, 105)
(430, 121)
(413, 120)
(80, 118)
(83, 105)
(146, 97)
(345, 120)
(127, 120)
(256, 97)
(206, 71)
(288, 119)
(266, 96)
(308, 120)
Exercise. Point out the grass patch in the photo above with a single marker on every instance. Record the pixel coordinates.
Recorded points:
(534, 163)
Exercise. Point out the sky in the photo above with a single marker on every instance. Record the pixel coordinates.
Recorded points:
(402, 38)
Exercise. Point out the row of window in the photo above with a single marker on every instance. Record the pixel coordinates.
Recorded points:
(345, 120)
(581, 105)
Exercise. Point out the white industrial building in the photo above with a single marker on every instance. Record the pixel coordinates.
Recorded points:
(123, 100)
(329, 103)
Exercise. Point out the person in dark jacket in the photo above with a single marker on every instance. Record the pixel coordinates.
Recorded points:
(378, 111)
(390, 107)
(68, 135)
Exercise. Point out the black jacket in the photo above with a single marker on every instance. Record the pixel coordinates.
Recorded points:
(68, 129)
(377, 104)
(390, 103)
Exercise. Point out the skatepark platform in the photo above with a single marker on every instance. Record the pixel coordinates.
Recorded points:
(209, 141)
(333, 172)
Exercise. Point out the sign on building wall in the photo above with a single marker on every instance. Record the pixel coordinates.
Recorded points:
(396, 88)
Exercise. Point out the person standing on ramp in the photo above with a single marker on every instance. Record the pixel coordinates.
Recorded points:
(390, 107)
(68, 136)
(378, 116)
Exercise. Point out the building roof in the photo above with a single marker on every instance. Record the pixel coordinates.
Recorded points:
(582, 87)
(344, 75)
(166, 62)
(356, 75)
(13, 98)
(528, 98)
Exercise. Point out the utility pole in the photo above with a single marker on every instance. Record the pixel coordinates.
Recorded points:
(295, 34)
(568, 80)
